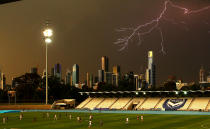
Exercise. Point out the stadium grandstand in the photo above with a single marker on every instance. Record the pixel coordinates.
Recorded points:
(146, 100)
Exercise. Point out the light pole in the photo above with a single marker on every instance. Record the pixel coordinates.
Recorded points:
(47, 38)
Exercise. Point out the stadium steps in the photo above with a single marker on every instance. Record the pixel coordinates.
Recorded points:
(199, 103)
(140, 104)
(107, 102)
(120, 103)
(207, 106)
(191, 103)
(87, 103)
(141, 100)
(127, 104)
(150, 103)
(100, 103)
(113, 103)
(158, 103)
(93, 103)
(188, 102)
(81, 105)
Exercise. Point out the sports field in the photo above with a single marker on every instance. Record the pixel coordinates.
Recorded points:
(38, 120)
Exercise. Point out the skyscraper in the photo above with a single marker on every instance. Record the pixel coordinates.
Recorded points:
(108, 77)
(100, 75)
(150, 72)
(116, 69)
(75, 74)
(68, 78)
(137, 82)
(2, 81)
(57, 71)
(89, 80)
(202, 74)
(115, 79)
(105, 63)
(87, 75)
(1, 78)
(116, 75)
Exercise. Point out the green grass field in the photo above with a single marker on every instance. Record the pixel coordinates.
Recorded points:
(110, 121)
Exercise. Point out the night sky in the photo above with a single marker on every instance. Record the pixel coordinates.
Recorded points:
(84, 30)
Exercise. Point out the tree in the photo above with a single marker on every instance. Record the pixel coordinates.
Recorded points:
(3, 96)
(170, 85)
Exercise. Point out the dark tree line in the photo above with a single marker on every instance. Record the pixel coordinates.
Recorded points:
(31, 88)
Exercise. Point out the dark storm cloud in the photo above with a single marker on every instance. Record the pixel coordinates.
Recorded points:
(85, 31)
(7, 1)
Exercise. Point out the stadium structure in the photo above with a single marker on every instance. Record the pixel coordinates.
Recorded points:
(139, 100)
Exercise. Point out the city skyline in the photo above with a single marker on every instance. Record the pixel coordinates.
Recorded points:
(85, 31)
(148, 74)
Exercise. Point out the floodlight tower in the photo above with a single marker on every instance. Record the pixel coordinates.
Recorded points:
(48, 39)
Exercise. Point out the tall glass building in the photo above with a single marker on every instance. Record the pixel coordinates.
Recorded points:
(2, 81)
(105, 63)
(150, 72)
(68, 78)
(116, 75)
(75, 74)
(57, 71)
(100, 75)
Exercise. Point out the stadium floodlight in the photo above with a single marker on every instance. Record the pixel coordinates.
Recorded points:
(48, 32)
(47, 38)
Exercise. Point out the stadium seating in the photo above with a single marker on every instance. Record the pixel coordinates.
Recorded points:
(120, 103)
(187, 104)
(107, 103)
(160, 104)
(81, 105)
(93, 103)
(208, 106)
(138, 102)
(133, 103)
(149, 103)
(183, 103)
(199, 103)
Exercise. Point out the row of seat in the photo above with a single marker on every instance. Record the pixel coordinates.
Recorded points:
(187, 103)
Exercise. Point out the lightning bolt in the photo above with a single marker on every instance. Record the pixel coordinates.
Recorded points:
(162, 41)
(147, 28)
